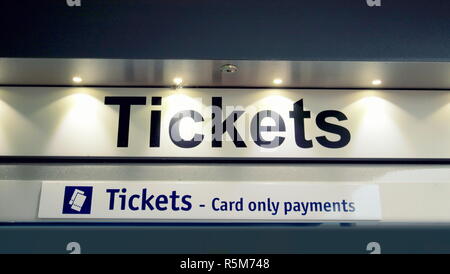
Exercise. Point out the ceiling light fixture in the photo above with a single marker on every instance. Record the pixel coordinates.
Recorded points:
(376, 82)
(229, 68)
(277, 81)
(77, 79)
(177, 81)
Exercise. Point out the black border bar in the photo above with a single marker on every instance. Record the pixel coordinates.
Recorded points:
(213, 160)
(387, 88)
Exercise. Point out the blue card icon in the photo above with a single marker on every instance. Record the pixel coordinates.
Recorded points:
(77, 200)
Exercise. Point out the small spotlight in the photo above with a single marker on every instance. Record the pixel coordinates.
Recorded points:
(177, 81)
(77, 79)
(229, 68)
(376, 82)
(277, 81)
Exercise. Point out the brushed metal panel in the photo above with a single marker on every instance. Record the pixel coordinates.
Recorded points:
(207, 73)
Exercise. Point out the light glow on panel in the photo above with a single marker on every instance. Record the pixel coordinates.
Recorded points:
(378, 123)
(82, 123)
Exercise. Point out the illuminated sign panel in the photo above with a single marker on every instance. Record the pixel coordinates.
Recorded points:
(223, 123)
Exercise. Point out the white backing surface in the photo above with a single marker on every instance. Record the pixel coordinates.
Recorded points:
(48, 121)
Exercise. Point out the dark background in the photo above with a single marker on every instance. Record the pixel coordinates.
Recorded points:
(400, 30)
(232, 238)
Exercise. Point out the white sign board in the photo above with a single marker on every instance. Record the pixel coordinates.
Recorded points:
(224, 123)
(266, 201)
